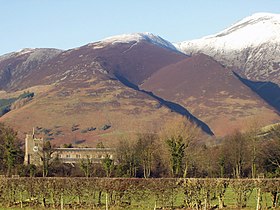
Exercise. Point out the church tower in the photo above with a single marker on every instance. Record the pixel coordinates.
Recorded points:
(33, 147)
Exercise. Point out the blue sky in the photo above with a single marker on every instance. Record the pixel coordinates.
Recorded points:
(66, 24)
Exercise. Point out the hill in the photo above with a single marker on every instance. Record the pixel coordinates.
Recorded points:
(211, 92)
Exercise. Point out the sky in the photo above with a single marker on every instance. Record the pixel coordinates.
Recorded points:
(66, 24)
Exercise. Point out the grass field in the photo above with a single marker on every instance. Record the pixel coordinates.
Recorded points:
(135, 194)
(177, 203)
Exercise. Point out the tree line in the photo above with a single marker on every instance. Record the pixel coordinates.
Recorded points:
(176, 151)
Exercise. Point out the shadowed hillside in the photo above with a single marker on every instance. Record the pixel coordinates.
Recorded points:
(268, 91)
(211, 92)
(171, 105)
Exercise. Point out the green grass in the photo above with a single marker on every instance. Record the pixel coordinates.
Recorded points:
(230, 199)
(143, 201)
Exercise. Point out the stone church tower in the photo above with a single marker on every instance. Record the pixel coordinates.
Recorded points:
(34, 152)
(33, 147)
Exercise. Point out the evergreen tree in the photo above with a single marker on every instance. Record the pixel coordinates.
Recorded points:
(10, 153)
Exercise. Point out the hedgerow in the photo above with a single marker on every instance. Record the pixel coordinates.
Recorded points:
(90, 193)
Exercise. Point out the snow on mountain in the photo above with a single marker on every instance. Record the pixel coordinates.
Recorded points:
(17, 53)
(25, 50)
(136, 38)
(252, 45)
(31, 52)
(16, 66)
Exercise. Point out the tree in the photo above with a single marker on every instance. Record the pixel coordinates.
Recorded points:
(254, 145)
(108, 165)
(178, 134)
(32, 170)
(126, 156)
(177, 153)
(46, 156)
(271, 151)
(86, 166)
(236, 150)
(10, 152)
(221, 163)
(146, 149)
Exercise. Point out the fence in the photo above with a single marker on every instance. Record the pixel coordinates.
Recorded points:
(133, 193)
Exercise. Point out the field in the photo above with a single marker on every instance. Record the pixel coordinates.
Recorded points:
(122, 193)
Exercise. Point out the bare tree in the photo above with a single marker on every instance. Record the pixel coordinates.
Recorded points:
(146, 148)
(46, 156)
(271, 149)
(128, 161)
(235, 149)
(254, 144)
(178, 134)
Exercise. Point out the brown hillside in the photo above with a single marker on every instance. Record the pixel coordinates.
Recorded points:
(17, 69)
(210, 92)
(77, 94)
(77, 112)
(134, 62)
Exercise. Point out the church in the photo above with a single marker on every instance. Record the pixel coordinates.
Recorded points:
(34, 152)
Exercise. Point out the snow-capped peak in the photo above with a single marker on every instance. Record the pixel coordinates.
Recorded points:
(251, 45)
(261, 16)
(250, 31)
(137, 37)
(266, 23)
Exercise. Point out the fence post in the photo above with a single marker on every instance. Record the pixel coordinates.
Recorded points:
(107, 201)
(259, 207)
(61, 201)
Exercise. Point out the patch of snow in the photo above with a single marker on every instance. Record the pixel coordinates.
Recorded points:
(97, 46)
(25, 51)
(16, 53)
(130, 47)
(63, 78)
(137, 37)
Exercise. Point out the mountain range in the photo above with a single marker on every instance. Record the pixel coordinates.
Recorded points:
(134, 83)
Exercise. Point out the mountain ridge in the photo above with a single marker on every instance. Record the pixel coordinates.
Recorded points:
(251, 47)
(210, 91)
(139, 80)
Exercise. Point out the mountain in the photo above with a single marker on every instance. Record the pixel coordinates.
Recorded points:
(81, 95)
(131, 83)
(18, 67)
(211, 92)
(134, 57)
(138, 37)
(251, 47)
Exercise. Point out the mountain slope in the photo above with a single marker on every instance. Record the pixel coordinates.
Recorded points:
(211, 92)
(78, 92)
(138, 37)
(18, 67)
(135, 58)
(125, 84)
(88, 110)
(251, 47)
